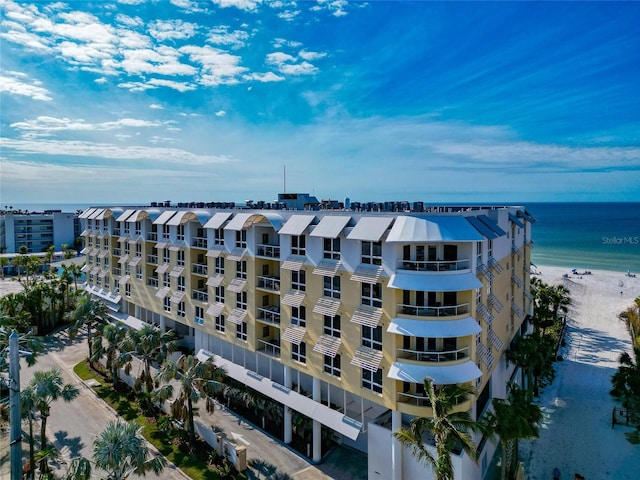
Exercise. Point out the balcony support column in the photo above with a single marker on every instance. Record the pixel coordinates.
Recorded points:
(163, 324)
(317, 426)
(396, 446)
(136, 311)
(288, 422)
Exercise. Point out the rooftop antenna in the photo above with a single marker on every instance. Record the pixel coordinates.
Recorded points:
(284, 178)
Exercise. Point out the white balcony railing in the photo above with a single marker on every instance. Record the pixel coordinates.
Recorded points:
(269, 283)
(199, 242)
(152, 259)
(199, 269)
(200, 296)
(429, 311)
(433, 356)
(270, 251)
(269, 314)
(152, 236)
(434, 266)
(269, 348)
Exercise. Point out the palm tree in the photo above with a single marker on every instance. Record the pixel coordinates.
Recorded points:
(532, 354)
(4, 262)
(197, 380)
(150, 345)
(28, 410)
(113, 334)
(449, 429)
(626, 381)
(513, 419)
(560, 299)
(120, 451)
(45, 388)
(88, 312)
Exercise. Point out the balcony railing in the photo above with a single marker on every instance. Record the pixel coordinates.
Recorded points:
(199, 242)
(199, 269)
(200, 296)
(271, 349)
(434, 266)
(428, 311)
(116, 271)
(116, 232)
(269, 283)
(117, 252)
(152, 282)
(435, 356)
(421, 400)
(269, 314)
(152, 236)
(152, 259)
(270, 251)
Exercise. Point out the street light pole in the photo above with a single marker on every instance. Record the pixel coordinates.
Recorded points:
(15, 409)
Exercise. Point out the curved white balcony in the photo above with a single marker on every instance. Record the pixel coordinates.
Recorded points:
(435, 311)
(440, 374)
(434, 356)
(434, 328)
(445, 282)
(435, 265)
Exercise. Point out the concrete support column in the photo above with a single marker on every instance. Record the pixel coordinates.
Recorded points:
(396, 447)
(288, 417)
(163, 325)
(317, 426)
(137, 311)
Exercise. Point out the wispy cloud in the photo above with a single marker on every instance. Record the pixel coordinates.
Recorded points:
(15, 83)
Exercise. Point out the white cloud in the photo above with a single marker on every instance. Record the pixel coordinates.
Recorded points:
(290, 65)
(15, 86)
(53, 124)
(222, 36)
(265, 77)
(129, 21)
(172, 29)
(306, 55)
(289, 15)
(218, 67)
(132, 2)
(179, 86)
(163, 61)
(247, 5)
(101, 80)
(156, 106)
(220, 113)
(110, 151)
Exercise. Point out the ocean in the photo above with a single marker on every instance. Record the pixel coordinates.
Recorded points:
(603, 236)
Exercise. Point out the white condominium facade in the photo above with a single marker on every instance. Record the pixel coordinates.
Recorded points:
(37, 231)
(337, 313)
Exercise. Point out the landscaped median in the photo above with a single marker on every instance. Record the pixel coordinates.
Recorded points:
(199, 462)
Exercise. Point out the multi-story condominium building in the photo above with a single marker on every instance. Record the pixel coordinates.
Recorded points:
(37, 231)
(337, 311)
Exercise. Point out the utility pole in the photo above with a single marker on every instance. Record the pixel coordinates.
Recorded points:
(15, 409)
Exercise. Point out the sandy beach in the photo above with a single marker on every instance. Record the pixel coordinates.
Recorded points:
(576, 435)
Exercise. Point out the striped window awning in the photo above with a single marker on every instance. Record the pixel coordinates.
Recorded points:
(215, 251)
(176, 297)
(176, 272)
(161, 245)
(367, 315)
(215, 281)
(174, 248)
(215, 309)
(135, 261)
(124, 280)
(367, 358)
(366, 273)
(95, 270)
(237, 285)
(294, 262)
(237, 254)
(132, 241)
(123, 260)
(495, 340)
(327, 345)
(122, 239)
(327, 268)
(327, 306)
(103, 273)
(237, 316)
(294, 334)
(103, 253)
(162, 268)
(86, 268)
(293, 298)
(163, 292)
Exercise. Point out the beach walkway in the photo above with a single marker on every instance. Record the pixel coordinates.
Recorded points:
(576, 435)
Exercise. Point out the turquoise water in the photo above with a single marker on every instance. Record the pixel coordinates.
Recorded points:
(602, 236)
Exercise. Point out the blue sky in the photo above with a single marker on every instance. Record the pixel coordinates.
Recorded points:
(142, 100)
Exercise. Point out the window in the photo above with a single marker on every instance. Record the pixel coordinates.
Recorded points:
(97, 243)
(181, 309)
(478, 253)
(299, 352)
(332, 365)
(98, 261)
(106, 261)
(218, 236)
(331, 287)
(372, 380)
(220, 323)
(180, 229)
(241, 239)
(166, 280)
(199, 313)
(241, 269)
(127, 290)
(127, 269)
(372, 337)
(372, 253)
(139, 272)
(138, 249)
(181, 283)
(167, 304)
(127, 248)
(372, 294)
(105, 223)
(219, 294)
(107, 283)
(490, 249)
(299, 280)
(332, 326)
(331, 248)
(241, 331)
(126, 228)
(181, 258)
(165, 255)
(165, 232)
(299, 316)
(241, 300)
(138, 228)
(298, 245)
(219, 266)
